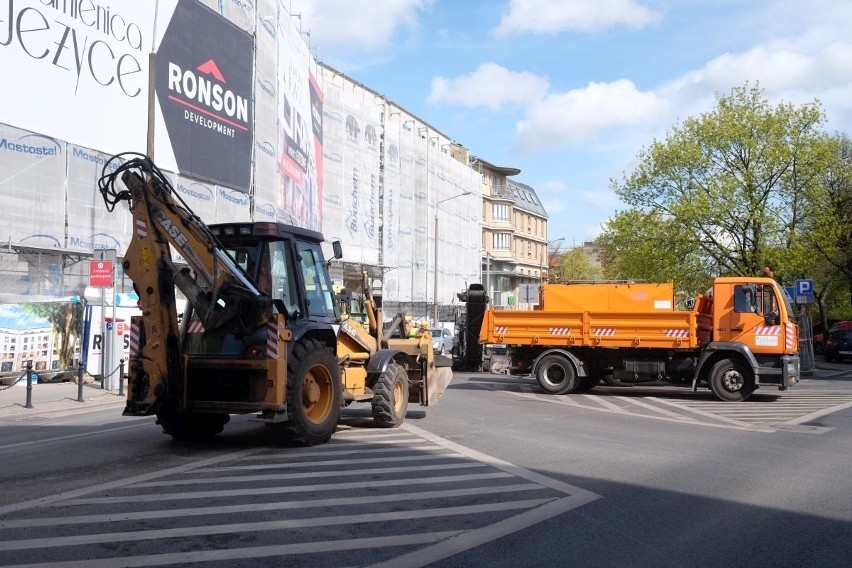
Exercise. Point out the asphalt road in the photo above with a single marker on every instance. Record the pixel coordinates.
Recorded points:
(498, 474)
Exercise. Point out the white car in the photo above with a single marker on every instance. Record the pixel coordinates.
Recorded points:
(442, 340)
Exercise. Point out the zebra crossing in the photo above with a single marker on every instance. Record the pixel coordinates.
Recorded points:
(768, 410)
(402, 497)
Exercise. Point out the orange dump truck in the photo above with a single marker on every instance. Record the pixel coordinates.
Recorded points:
(739, 336)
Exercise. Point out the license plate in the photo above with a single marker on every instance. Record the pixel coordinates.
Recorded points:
(844, 352)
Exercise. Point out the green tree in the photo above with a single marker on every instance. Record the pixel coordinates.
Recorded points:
(65, 318)
(576, 264)
(826, 240)
(646, 245)
(737, 180)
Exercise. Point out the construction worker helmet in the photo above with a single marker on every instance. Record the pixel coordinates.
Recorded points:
(407, 318)
(424, 323)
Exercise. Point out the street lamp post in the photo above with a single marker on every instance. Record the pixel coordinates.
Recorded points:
(435, 278)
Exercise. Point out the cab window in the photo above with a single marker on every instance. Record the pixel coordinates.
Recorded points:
(275, 276)
(318, 290)
(745, 299)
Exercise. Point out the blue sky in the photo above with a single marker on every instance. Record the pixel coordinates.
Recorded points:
(13, 317)
(570, 91)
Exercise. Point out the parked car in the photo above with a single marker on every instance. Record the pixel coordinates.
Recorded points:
(838, 345)
(819, 339)
(442, 340)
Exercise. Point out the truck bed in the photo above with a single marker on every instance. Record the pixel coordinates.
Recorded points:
(665, 329)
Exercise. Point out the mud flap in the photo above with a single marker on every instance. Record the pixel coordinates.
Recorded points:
(438, 379)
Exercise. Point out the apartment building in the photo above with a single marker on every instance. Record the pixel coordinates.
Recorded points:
(514, 234)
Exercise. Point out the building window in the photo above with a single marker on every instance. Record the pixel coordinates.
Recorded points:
(499, 212)
(500, 241)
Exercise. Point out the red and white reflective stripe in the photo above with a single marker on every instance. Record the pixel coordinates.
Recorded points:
(195, 326)
(677, 332)
(560, 330)
(603, 331)
(272, 340)
(501, 329)
(767, 330)
(134, 339)
(788, 335)
(141, 228)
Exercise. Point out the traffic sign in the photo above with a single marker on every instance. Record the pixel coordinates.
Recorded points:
(804, 287)
(805, 291)
(100, 273)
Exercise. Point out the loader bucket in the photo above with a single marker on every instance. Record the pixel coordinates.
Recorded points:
(437, 382)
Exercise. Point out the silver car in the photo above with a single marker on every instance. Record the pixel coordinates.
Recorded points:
(442, 340)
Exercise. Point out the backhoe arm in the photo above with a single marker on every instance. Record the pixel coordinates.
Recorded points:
(225, 299)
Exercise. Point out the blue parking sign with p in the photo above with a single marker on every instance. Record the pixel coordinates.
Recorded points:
(804, 287)
(804, 291)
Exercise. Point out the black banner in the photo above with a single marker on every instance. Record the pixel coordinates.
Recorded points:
(204, 86)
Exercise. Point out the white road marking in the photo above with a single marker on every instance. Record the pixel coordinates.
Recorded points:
(100, 487)
(248, 552)
(817, 414)
(259, 507)
(360, 461)
(299, 523)
(253, 491)
(310, 474)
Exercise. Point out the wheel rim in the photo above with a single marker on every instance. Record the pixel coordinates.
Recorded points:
(317, 394)
(733, 380)
(554, 375)
(397, 396)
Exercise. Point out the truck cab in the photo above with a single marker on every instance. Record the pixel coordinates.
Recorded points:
(755, 312)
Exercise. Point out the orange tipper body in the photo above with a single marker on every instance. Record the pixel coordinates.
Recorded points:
(740, 335)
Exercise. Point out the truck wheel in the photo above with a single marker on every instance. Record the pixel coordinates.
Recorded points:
(555, 375)
(731, 381)
(588, 383)
(314, 394)
(390, 397)
(188, 426)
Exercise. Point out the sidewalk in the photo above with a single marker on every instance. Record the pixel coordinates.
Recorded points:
(56, 399)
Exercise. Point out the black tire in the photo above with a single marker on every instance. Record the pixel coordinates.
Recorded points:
(190, 426)
(588, 383)
(731, 381)
(556, 375)
(314, 394)
(613, 382)
(390, 397)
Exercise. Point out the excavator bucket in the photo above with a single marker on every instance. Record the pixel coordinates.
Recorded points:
(438, 380)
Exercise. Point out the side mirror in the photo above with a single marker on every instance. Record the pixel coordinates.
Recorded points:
(337, 248)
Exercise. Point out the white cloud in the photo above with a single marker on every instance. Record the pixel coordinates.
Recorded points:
(357, 26)
(793, 71)
(551, 16)
(780, 67)
(580, 115)
(490, 86)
